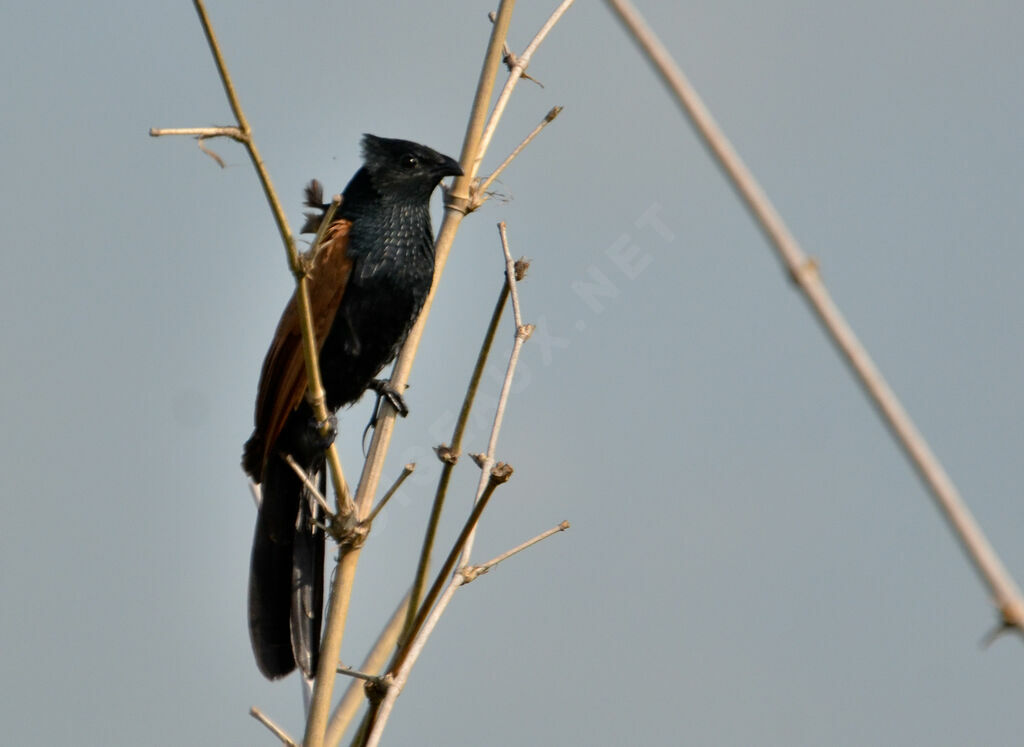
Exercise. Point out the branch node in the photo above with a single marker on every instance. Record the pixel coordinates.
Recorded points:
(378, 687)
(522, 265)
(802, 273)
(524, 331)
(447, 454)
(478, 459)
(501, 473)
(349, 534)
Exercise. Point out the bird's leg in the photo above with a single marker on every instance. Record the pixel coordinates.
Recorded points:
(314, 441)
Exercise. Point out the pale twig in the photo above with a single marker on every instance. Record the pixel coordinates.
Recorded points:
(455, 209)
(428, 614)
(355, 673)
(374, 662)
(232, 132)
(310, 485)
(521, 63)
(383, 711)
(277, 731)
(480, 192)
(315, 395)
(498, 474)
(804, 272)
(406, 471)
(522, 334)
(510, 59)
(472, 572)
(449, 455)
(243, 134)
(462, 576)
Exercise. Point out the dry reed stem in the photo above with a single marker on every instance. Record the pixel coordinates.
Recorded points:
(804, 272)
(276, 730)
(462, 576)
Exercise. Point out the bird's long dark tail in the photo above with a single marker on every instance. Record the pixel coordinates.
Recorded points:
(287, 570)
(307, 601)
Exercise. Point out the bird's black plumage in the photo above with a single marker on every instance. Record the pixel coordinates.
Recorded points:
(368, 283)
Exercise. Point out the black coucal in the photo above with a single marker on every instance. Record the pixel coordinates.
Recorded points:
(367, 284)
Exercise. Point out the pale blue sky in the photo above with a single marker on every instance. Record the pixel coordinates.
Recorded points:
(751, 561)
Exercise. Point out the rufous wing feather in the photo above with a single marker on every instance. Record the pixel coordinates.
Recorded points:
(283, 378)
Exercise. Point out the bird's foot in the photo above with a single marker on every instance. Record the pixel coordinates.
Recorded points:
(394, 398)
(319, 439)
(383, 390)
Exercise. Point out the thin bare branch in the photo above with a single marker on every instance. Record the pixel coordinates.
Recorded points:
(243, 134)
(472, 572)
(510, 59)
(514, 75)
(355, 673)
(430, 611)
(498, 475)
(232, 132)
(522, 333)
(480, 192)
(383, 711)
(804, 272)
(310, 485)
(276, 730)
(375, 662)
(449, 455)
(406, 471)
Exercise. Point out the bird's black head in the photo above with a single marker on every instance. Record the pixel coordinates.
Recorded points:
(403, 170)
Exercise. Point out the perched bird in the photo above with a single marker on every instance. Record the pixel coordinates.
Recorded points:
(367, 283)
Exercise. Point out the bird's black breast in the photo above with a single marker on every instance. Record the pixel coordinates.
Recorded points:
(392, 249)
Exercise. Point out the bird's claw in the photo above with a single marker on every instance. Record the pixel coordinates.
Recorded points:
(394, 398)
(384, 390)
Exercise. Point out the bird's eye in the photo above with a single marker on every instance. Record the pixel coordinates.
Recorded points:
(409, 161)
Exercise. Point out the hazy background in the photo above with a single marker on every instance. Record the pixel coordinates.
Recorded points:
(751, 561)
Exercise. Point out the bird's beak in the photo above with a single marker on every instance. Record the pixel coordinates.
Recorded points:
(449, 167)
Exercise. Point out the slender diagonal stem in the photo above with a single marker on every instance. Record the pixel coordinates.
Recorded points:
(472, 572)
(514, 75)
(451, 455)
(276, 730)
(804, 271)
(480, 192)
(406, 471)
(310, 351)
(310, 485)
(500, 473)
(374, 663)
(460, 578)
(496, 476)
(522, 334)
